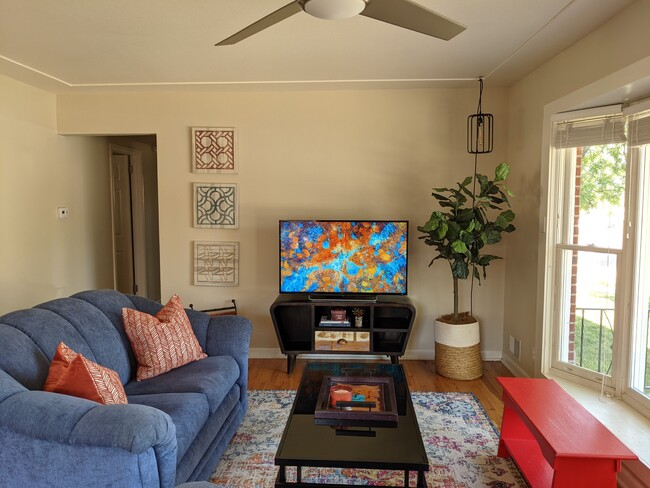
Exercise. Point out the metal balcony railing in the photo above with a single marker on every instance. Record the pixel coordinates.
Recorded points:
(605, 321)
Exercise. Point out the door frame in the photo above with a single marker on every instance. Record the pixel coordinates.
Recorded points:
(137, 215)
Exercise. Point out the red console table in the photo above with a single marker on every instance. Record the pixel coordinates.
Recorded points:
(553, 440)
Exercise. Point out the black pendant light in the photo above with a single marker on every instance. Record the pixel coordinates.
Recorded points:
(480, 134)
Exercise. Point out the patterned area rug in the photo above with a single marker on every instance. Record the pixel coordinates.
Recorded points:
(459, 438)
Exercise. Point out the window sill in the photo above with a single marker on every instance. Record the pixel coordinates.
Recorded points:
(632, 428)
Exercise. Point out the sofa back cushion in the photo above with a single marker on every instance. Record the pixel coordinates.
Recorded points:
(88, 322)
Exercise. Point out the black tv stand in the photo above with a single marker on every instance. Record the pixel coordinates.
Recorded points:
(385, 328)
(341, 297)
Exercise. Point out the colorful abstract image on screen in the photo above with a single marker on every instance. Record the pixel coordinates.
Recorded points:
(343, 257)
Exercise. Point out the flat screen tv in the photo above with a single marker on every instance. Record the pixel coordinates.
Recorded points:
(344, 258)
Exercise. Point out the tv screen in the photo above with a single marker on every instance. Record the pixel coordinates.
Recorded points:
(343, 257)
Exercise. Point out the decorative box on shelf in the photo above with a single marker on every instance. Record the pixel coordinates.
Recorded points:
(338, 314)
(341, 341)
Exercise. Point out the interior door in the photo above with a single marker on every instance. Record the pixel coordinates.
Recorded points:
(122, 224)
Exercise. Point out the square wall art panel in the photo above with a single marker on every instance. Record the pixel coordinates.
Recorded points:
(216, 263)
(216, 205)
(214, 150)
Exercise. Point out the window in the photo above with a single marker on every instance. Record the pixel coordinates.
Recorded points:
(598, 251)
(639, 369)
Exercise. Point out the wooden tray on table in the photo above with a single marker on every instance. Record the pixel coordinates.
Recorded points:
(377, 409)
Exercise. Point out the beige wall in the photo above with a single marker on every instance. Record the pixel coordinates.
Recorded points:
(304, 154)
(42, 257)
(307, 154)
(587, 70)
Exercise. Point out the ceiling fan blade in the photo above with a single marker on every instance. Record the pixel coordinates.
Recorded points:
(412, 16)
(265, 22)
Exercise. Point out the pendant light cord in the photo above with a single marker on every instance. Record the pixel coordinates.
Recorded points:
(480, 121)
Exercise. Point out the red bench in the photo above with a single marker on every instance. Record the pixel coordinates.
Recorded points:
(553, 440)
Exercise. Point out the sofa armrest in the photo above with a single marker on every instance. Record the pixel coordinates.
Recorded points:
(64, 421)
(230, 335)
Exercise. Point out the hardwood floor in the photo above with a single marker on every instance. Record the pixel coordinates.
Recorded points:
(271, 374)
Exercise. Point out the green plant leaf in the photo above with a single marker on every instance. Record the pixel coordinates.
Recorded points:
(459, 197)
(430, 226)
(509, 215)
(486, 259)
(466, 191)
(502, 171)
(465, 215)
(483, 181)
(453, 230)
(504, 219)
(460, 270)
(466, 181)
(492, 236)
(459, 247)
(440, 197)
(442, 229)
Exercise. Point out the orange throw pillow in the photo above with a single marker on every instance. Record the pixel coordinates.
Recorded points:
(163, 342)
(72, 374)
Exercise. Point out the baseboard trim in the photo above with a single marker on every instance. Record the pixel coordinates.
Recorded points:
(514, 367)
(265, 353)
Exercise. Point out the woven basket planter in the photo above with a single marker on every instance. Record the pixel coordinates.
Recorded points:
(458, 351)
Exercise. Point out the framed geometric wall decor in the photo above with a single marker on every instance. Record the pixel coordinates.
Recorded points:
(214, 150)
(216, 263)
(216, 205)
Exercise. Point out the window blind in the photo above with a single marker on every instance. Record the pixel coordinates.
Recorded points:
(589, 131)
(639, 129)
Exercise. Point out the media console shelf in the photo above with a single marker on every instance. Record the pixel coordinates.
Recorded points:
(385, 330)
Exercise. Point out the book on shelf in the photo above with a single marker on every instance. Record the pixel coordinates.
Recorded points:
(327, 322)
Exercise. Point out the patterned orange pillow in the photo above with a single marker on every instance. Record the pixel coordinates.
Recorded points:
(72, 374)
(163, 342)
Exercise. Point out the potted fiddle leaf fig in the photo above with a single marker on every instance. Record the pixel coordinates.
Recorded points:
(473, 215)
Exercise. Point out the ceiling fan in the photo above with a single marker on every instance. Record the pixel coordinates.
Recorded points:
(402, 13)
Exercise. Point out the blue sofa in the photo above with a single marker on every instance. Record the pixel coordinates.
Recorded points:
(174, 429)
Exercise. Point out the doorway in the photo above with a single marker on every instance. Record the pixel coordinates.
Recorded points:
(134, 209)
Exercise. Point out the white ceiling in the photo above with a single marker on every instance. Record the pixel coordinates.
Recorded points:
(65, 45)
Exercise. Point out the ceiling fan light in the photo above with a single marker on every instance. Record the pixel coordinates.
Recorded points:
(334, 9)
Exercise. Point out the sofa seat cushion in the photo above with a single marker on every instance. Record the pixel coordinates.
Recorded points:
(213, 376)
(189, 412)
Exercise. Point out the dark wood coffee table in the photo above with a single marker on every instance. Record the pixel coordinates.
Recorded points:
(304, 443)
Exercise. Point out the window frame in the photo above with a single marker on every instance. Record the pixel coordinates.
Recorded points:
(558, 203)
(629, 394)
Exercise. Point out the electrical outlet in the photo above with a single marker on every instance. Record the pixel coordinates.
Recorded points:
(515, 347)
(62, 212)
